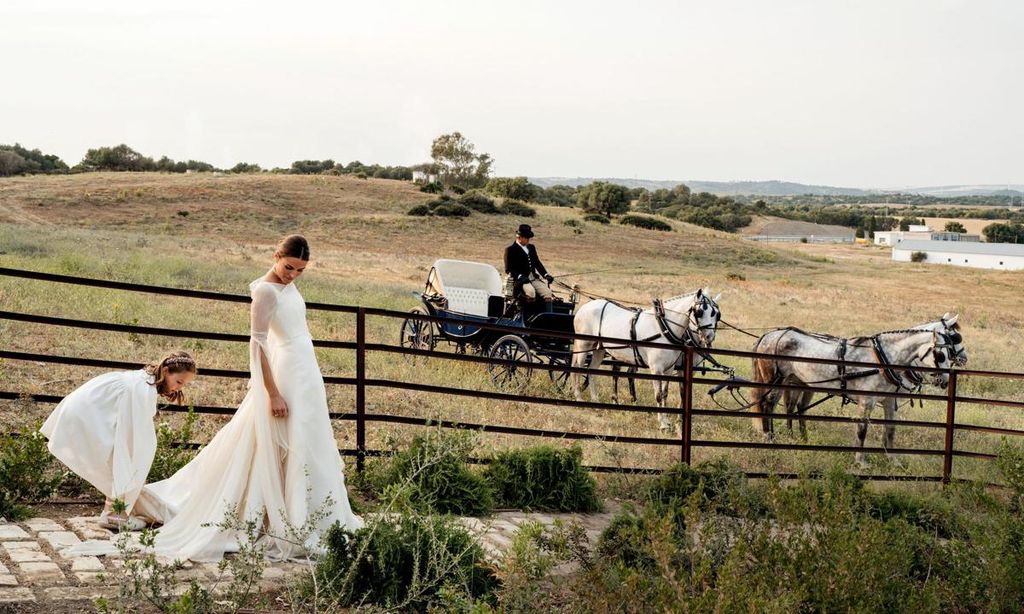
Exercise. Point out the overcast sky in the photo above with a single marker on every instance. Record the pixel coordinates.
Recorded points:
(862, 93)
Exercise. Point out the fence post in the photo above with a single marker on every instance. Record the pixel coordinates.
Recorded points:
(687, 419)
(947, 461)
(360, 389)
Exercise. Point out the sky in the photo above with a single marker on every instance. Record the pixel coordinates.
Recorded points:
(869, 94)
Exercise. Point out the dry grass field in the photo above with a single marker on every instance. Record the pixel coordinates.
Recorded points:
(218, 232)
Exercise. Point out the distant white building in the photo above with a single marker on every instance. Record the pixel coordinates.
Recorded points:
(920, 232)
(1003, 256)
(423, 177)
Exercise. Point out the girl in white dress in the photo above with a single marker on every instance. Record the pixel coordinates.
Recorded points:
(276, 461)
(103, 431)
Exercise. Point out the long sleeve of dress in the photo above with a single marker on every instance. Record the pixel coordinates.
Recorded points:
(264, 302)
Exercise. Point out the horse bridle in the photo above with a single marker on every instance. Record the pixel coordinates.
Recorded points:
(946, 350)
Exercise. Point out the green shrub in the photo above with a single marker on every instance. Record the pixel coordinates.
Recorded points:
(361, 175)
(597, 217)
(716, 482)
(419, 210)
(543, 478)
(443, 199)
(435, 473)
(170, 457)
(517, 208)
(433, 187)
(452, 210)
(402, 564)
(642, 221)
(572, 223)
(918, 256)
(478, 202)
(458, 189)
(28, 472)
(933, 514)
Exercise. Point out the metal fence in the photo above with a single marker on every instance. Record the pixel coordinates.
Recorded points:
(687, 380)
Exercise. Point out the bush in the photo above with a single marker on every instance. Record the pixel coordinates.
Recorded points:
(543, 478)
(478, 202)
(517, 208)
(597, 217)
(436, 472)
(403, 564)
(453, 210)
(572, 223)
(715, 481)
(518, 188)
(28, 472)
(360, 175)
(642, 221)
(419, 210)
(433, 187)
(918, 256)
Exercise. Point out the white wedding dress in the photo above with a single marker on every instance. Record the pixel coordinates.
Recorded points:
(280, 471)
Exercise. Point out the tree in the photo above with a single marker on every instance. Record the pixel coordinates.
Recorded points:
(117, 158)
(10, 163)
(1004, 233)
(560, 195)
(602, 197)
(32, 161)
(518, 188)
(955, 227)
(458, 163)
(907, 221)
(245, 167)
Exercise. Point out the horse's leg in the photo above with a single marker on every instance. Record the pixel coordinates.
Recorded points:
(790, 400)
(615, 385)
(888, 441)
(865, 404)
(632, 385)
(595, 363)
(666, 421)
(580, 348)
(805, 401)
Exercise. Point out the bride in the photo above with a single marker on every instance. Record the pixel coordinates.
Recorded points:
(276, 460)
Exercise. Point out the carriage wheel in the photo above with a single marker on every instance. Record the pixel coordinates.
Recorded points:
(508, 376)
(417, 334)
(562, 380)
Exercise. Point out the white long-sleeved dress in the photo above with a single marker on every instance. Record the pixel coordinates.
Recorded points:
(103, 431)
(284, 471)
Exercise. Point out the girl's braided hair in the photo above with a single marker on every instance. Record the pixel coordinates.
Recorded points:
(175, 362)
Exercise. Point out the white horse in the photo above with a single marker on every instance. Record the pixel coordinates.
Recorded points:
(681, 320)
(797, 402)
(890, 350)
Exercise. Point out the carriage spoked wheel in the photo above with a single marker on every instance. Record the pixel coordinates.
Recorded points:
(562, 380)
(507, 375)
(417, 334)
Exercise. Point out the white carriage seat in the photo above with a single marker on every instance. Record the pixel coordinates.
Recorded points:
(468, 285)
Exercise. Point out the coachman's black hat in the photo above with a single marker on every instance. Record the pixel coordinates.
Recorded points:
(525, 231)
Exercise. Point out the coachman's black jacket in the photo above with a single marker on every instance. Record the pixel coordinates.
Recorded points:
(519, 265)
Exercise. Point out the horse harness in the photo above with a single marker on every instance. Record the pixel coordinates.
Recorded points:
(661, 317)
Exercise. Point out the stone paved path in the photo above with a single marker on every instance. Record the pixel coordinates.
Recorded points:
(36, 567)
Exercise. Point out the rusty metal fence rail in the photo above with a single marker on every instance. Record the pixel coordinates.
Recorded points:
(687, 380)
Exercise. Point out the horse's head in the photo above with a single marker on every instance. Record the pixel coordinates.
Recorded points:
(704, 316)
(948, 327)
(938, 352)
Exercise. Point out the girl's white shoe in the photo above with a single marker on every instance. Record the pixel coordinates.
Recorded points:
(117, 522)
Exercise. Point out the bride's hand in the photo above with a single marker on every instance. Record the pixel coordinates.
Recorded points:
(278, 408)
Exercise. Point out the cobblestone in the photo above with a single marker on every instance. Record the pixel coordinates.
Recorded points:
(43, 573)
(43, 524)
(12, 531)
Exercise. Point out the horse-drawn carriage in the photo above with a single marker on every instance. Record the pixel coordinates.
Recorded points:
(472, 294)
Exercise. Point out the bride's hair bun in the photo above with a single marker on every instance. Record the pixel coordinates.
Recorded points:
(293, 246)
